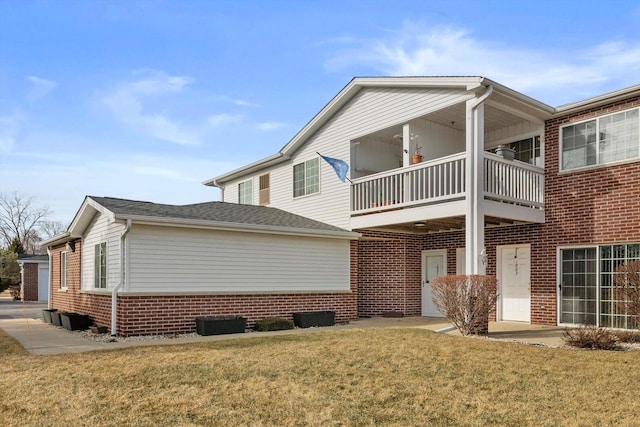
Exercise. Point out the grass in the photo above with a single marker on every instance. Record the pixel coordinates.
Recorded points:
(399, 377)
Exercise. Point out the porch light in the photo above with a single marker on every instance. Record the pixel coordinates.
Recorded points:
(420, 224)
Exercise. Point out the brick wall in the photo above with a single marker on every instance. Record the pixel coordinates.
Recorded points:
(29, 282)
(148, 315)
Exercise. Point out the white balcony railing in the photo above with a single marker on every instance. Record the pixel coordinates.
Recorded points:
(513, 182)
(443, 180)
(428, 182)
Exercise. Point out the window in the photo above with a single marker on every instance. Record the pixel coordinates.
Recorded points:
(264, 190)
(245, 193)
(586, 284)
(101, 265)
(528, 150)
(306, 178)
(63, 270)
(603, 140)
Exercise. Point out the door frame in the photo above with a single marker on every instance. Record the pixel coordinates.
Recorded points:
(423, 261)
(499, 250)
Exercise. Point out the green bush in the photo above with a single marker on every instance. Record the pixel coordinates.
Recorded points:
(591, 337)
(273, 324)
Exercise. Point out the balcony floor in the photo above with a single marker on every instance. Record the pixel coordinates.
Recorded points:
(455, 223)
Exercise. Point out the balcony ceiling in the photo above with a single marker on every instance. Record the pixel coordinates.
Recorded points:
(456, 223)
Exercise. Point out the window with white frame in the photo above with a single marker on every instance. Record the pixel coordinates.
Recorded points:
(603, 140)
(63, 269)
(100, 265)
(528, 150)
(306, 178)
(586, 284)
(245, 192)
(264, 196)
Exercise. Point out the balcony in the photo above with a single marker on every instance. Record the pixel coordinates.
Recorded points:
(512, 184)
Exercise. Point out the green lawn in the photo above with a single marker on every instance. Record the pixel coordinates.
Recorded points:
(355, 377)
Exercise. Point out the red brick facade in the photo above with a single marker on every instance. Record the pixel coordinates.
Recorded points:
(29, 286)
(153, 314)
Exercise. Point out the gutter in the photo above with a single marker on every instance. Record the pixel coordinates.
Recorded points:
(114, 292)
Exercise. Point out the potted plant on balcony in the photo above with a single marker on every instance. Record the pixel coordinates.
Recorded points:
(506, 152)
(416, 157)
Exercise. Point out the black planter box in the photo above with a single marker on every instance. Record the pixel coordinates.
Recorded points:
(55, 318)
(74, 321)
(218, 325)
(307, 319)
(46, 314)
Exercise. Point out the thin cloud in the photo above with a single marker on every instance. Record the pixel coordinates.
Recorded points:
(10, 126)
(270, 126)
(223, 119)
(416, 49)
(128, 105)
(243, 103)
(40, 88)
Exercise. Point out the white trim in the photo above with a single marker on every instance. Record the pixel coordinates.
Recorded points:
(64, 284)
(423, 259)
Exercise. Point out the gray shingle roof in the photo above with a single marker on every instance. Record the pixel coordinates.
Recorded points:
(219, 212)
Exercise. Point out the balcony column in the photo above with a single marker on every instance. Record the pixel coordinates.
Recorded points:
(475, 254)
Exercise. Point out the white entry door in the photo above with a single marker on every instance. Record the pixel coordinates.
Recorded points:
(434, 264)
(515, 283)
(43, 283)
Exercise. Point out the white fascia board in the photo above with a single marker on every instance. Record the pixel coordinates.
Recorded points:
(245, 170)
(56, 240)
(231, 226)
(598, 100)
(545, 109)
(85, 214)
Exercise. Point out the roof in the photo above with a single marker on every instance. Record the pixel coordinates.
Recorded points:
(219, 212)
(469, 83)
(210, 215)
(33, 258)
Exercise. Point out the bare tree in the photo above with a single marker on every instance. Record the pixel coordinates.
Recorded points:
(20, 217)
(626, 289)
(466, 301)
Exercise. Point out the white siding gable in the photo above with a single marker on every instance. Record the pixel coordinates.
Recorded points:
(182, 260)
(372, 109)
(101, 230)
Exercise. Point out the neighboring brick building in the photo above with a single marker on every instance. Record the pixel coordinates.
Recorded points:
(34, 277)
(427, 197)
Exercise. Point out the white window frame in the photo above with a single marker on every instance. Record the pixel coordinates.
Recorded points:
(245, 192)
(307, 178)
(64, 265)
(598, 163)
(264, 189)
(598, 274)
(100, 276)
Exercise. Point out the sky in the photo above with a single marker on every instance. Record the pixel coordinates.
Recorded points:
(145, 100)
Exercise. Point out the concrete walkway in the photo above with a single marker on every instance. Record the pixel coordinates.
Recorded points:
(24, 322)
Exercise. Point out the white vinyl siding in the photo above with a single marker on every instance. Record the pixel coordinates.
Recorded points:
(245, 193)
(603, 140)
(172, 260)
(101, 230)
(371, 110)
(63, 270)
(306, 178)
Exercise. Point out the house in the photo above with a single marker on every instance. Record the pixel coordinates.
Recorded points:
(429, 194)
(146, 268)
(34, 273)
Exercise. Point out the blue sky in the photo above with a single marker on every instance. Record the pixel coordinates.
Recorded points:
(147, 99)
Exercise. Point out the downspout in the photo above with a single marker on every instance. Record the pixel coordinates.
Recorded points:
(114, 292)
(50, 278)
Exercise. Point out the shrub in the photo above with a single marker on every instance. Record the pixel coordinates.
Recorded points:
(628, 336)
(465, 300)
(273, 324)
(591, 337)
(626, 289)
(14, 290)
